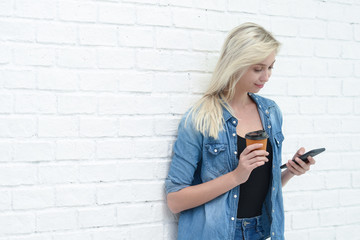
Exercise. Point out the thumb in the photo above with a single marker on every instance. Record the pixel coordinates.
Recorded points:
(301, 151)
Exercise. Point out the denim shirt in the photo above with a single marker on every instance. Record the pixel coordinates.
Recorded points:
(198, 159)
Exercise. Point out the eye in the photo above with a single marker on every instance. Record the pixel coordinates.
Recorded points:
(257, 69)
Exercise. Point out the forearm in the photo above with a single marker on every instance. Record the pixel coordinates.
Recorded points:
(197, 195)
(285, 177)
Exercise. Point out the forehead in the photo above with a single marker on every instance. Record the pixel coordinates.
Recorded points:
(267, 61)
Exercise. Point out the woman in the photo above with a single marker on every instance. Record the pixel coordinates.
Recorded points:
(223, 189)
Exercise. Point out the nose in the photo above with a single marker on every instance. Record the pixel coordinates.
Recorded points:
(265, 75)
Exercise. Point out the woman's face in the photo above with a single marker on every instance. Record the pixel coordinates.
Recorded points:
(256, 76)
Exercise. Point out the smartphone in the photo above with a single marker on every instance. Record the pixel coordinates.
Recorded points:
(304, 157)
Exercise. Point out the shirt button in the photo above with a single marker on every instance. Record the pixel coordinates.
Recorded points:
(273, 233)
(232, 218)
(215, 150)
(235, 152)
(267, 112)
(234, 134)
(269, 126)
(235, 196)
(273, 189)
(273, 210)
(259, 106)
(234, 122)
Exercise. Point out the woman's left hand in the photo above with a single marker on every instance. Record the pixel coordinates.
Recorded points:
(301, 167)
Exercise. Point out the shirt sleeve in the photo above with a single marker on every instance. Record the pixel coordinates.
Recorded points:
(187, 154)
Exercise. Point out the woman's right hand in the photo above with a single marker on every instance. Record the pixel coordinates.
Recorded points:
(250, 159)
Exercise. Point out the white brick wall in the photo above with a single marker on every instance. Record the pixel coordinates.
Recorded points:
(91, 93)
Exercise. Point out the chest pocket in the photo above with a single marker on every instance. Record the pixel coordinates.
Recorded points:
(215, 158)
(279, 138)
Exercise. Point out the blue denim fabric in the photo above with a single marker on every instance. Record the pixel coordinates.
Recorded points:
(249, 229)
(198, 158)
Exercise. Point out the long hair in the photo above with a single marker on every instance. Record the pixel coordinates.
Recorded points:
(246, 45)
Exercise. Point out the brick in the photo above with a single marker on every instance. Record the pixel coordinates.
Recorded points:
(81, 104)
(153, 231)
(199, 82)
(131, 36)
(97, 217)
(16, 30)
(98, 127)
(98, 172)
(314, 68)
(325, 199)
(76, 58)
(117, 233)
(349, 197)
(353, 215)
(42, 9)
(152, 105)
(328, 87)
(161, 16)
(115, 58)
(284, 28)
(335, 180)
(5, 54)
(115, 149)
(111, 104)
(56, 33)
(356, 179)
(326, 233)
(146, 170)
(350, 14)
(351, 51)
(19, 79)
(328, 49)
(313, 106)
(330, 11)
(351, 87)
(30, 198)
(303, 87)
(17, 223)
(76, 11)
(332, 217)
(169, 38)
(340, 106)
(184, 61)
(356, 32)
(154, 59)
(58, 127)
(340, 68)
(310, 182)
(136, 126)
(136, 82)
(297, 201)
(298, 125)
(53, 220)
(58, 173)
(211, 5)
(306, 219)
(33, 151)
(339, 31)
(37, 236)
(71, 235)
(152, 191)
(115, 13)
(201, 41)
(6, 8)
(139, 213)
(166, 126)
(346, 232)
(75, 195)
(99, 81)
(119, 193)
(38, 56)
(12, 175)
(288, 67)
(188, 18)
(17, 126)
(243, 6)
(6, 103)
(6, 151)
(75, 149)
(98, 35)
(35, 103)
(171, 82)
(57, 80)
(295, 47)
(5, 200)
(313, 29)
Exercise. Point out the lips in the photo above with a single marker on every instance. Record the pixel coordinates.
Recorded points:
(259, 85)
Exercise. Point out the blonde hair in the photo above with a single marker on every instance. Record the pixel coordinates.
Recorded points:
(246, 45)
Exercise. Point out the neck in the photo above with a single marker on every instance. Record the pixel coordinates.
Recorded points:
(240, 101)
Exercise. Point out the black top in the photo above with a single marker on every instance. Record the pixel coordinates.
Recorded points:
(254, 190)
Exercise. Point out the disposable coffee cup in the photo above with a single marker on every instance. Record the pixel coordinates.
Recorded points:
(259, 136)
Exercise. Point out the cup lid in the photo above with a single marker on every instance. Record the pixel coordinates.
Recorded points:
(257, 135)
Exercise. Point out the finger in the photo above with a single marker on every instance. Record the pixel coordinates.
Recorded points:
(311, 160)
(256, 164)
(299, 152)
(292, 168)
(258, 159)
(256, 153)
(299, 165)
(251, 148)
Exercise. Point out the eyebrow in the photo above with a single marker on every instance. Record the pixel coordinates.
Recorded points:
(261, 64)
